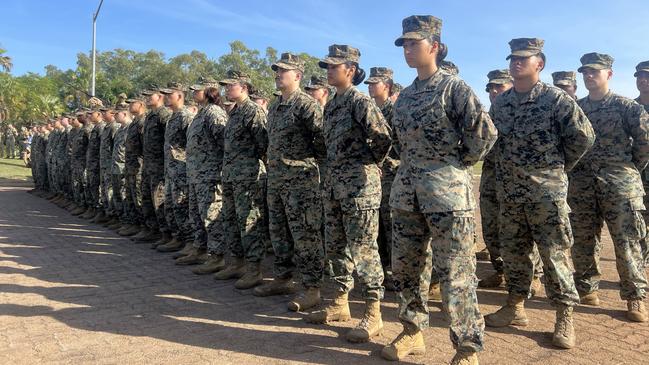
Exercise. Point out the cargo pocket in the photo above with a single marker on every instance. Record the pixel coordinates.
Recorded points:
(639, 228)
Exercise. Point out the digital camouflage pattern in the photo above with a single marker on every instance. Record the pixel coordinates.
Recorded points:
(133, 171)
(121, 202)
(93, 170)
(153, 163)
(388, 172)
(79, 147)
(106, 140)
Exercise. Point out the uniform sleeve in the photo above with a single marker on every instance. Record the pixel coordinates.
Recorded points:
(216, 123)
(312, 117)
(637, 121)
(478, 131)
(577, 135)
(376, 130)
(259, 132)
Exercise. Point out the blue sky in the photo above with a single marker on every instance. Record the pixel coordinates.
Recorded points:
(40, 32)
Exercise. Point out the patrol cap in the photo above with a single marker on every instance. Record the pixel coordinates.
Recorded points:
(203, 83)
(641, 67)
(120, 107)
(596, 61)
(498, 77)
(339, 54)
(420, 27)
(525, 47)
(95, 103)
(259, 94)
(135, 99)
(449, 67)
(152, 89)
(564, 78)
(316, 82)
(173, 87)
(379, 74)
(235, 76)
(288, 61)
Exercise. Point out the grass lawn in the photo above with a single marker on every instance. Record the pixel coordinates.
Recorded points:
(14, 169)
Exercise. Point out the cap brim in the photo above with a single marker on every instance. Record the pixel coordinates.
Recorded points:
(374, 80)
(331, 61)
(564, 83)
(228, 81)
(637, 73)
(149, 92)
(197, 87)
(410, 35)
(313, 87)
(523, 53)
(134, 101)
(283, 66)
(594, 66)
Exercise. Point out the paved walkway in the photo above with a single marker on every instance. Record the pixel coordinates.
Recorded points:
(73, 292)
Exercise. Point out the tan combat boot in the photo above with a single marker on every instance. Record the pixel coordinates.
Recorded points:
(214, 263)
(435, 292)
(370, 325)
(512, 314)
(465, 358)
(172, 246)
(78, 211)
(162, 239)
(189, 248)
(591, 298)
(497, 280)
(89, 213)
(409, 342)
(100, 217)
(535, 287)
(564, 332)
(338, 310)
(195, 256)
(235, 270)
(636, 311)
(306, 300)
(251, 278)
(276, 286)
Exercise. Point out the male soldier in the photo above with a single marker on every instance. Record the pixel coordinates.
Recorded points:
(260, 98)
(92, 161)
(79, 147)
(542, 135)
(63, 162)
(204, 165)
(379, 86)
(642, 82)
(10, 141)
(75, 128)
(318, 89)
(106, 140)
(153, 174)
(50, 158)
(133, 216)
(605, 186)
(244, 184)
(295, 142)
(566, 81)
(176, 167)
(120, 199)
(192, 107)
(499, 82)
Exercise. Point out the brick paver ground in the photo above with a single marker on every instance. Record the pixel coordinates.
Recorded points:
(74, 292)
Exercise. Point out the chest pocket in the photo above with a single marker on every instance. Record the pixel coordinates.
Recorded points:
(436, 126)
(608, 126)
(536, 139)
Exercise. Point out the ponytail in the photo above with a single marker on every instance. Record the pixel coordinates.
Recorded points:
(442, 53)
(359, 75)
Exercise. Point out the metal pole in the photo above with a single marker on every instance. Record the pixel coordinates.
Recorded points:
(94, 49)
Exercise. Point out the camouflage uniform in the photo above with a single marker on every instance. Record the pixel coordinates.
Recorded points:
(542, 134)
(153, 163)
(204, 165)
(79, 147)
(93, 170)
(42, 165)
(564, 78)
(133, 170)
(605, 186)
(49, 159)
(295, 143)
(644, 68)
(121, 202)
(106, 141)
(67, 178)
(244, 178)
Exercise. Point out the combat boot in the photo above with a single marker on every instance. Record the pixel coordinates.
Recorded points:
(338, 310)
(195, 256)
(149, 236)
(535, 287)
(306, 300)
(465, 358)
(370, 325)
(90, 213)
(564, 332)
(162, 239)
(513, 313)
(591, 298)
(214, 263)
(483, 255)
(409, 342)
(435, 292)
(78, 211)
(111, 221)
(189, 247)
(235, 270)
(636, 311)
(172, 246)
(100, 217)
(497, 280)
(129, 230)
(251, 278)
(276, 286)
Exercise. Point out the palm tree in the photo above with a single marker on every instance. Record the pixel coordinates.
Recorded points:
(5, 61)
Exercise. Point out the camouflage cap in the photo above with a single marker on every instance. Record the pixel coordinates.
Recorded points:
(316, 82)
(259, 94)
(135, 99)
(339, 54)
(106, 108)
(203, 83)
(596, 61)
(152, 89)
(565, 78)
(289, 61)
(641, 67)
(379, 74)
(449, 67)
(95, 103)
(81, 111)
(525, 47)
(420, 27)
(173, 87)
(120, 107)
(498, 77)
(234, 76)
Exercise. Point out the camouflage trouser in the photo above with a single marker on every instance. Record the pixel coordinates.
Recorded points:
(295, 219)
(119, 199)
(546, 224)
(78, 186)
(177, 206)
(351, 232)
(244, 218)
(623, 216)
(385, 221)
(133, 203)
(644, 244)
(449, 237)
(11, 149)
(42, 174)
(66, 181)
(206, 214)
(107, 192)
(92, 188)
(153, 207)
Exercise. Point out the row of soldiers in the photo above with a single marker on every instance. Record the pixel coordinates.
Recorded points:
(387, 184)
